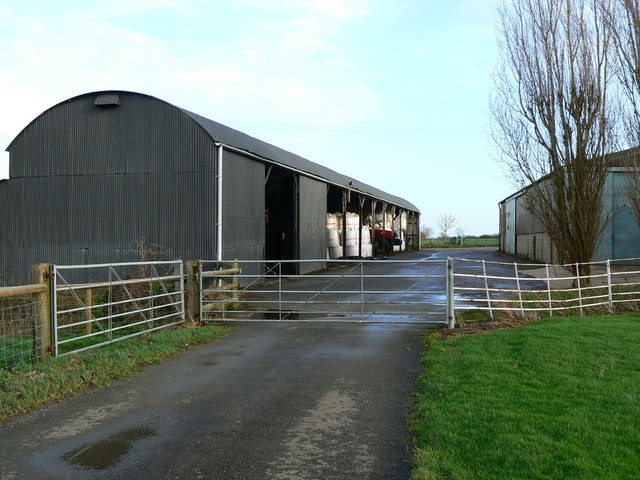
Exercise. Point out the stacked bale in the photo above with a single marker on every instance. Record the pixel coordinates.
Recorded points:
(354, 234)
(367, 247)
(334, 235)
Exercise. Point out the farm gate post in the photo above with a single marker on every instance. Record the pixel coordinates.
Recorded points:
(43, 323)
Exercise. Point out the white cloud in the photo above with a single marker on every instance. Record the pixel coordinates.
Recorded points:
(274, 67)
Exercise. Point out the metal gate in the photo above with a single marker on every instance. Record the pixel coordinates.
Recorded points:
(374, 291)
(94, 305)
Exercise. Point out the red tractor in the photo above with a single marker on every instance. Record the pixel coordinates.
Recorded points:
(383, 241)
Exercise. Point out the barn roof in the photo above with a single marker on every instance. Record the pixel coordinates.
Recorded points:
(241, 141)
(229, 136)
(624, 158)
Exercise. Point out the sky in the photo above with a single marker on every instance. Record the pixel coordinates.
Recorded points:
(394, 93)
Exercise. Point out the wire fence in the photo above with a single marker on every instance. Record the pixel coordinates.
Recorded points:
(544, 289)
(19, 334)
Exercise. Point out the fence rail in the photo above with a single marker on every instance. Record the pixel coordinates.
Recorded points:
(346, 290)
(72, 308)
(95, 305)
(593, 287)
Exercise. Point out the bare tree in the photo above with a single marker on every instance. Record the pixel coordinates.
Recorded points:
(426, 232)
(551, 116)
(446, 222)
(460, 232)
(623, 21)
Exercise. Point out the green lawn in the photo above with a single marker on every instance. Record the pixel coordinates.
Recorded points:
(554, 399)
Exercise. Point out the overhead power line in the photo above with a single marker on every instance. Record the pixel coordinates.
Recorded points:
(396, 130)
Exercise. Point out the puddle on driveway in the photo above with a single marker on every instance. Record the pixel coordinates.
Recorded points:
(106, 453)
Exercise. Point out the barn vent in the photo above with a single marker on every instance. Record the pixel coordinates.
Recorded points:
(107, 100)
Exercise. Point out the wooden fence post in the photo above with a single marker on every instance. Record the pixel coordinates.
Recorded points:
(235, 281)
(43, 324)
(88, 314)
(192, 290)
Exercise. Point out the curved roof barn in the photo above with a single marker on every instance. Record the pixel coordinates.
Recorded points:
(228, 136)
(97, 174)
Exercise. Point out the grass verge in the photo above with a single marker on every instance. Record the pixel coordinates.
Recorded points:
(624, 299)
(558, 398)
(29, 386)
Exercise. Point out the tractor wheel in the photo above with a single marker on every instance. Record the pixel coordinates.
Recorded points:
(381, 247)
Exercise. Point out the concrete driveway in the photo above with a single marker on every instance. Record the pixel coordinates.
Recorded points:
(269, 401)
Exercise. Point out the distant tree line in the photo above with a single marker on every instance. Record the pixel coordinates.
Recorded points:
(446, 222)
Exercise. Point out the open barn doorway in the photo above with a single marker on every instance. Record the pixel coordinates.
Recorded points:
(281, 214)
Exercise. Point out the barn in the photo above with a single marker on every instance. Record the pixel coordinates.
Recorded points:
(97, 176)
(521, 234)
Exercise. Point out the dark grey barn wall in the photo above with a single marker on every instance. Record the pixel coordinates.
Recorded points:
(313, 222)
(4, 210)
(142, 135)
(89, 183)
(243, 227)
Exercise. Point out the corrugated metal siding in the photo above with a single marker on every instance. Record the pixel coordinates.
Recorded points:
(313, 223)
(626, 234)
(502, 226)
(605, 247)
(243, 227)
(526, 223)
(4, 227)
(511, 214)
(143, 135)
(88, 183)
(621, 238)
(536, 247)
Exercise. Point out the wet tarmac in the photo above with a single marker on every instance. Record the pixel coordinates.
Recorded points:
(269, 401)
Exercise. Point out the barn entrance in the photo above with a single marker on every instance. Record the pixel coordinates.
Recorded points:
(281, 213)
